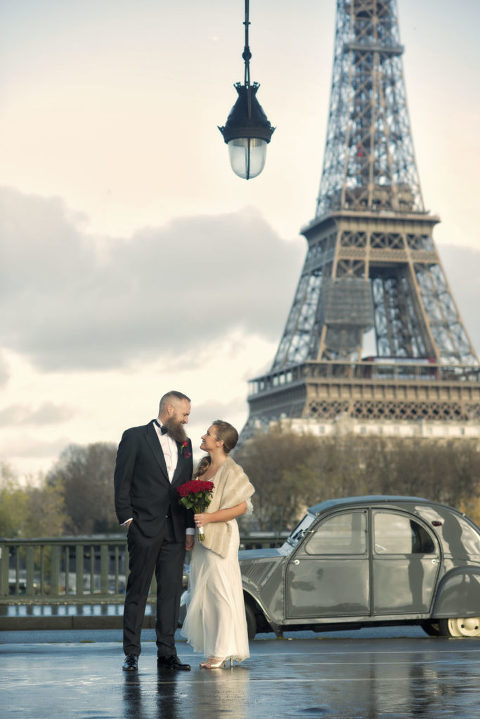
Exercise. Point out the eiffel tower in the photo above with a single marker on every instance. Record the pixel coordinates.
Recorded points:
(373, 333)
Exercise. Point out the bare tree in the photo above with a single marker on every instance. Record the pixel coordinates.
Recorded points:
(291, 471)
(279, 465)
(86, 475)
(28, 510)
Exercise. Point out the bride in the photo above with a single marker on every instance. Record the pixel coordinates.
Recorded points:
(215, 622)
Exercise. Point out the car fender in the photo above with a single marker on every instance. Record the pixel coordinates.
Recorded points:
(264, 585)
(267, 622)
(458, 594)
(255, 601)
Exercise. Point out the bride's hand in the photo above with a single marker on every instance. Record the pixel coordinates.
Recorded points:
(201, 519)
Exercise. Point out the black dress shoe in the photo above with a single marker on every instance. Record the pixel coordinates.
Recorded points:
(131, 663)
(172, 662)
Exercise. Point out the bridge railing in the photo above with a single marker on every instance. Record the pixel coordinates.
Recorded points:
(78, 570)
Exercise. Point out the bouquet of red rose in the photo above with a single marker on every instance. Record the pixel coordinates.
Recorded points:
(196, 495)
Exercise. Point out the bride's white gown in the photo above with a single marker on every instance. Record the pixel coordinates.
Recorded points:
(215, 623)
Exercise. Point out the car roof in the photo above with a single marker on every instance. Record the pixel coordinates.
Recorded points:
(366, 499)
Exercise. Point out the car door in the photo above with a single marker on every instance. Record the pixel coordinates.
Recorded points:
(405, 562)
(328, 575)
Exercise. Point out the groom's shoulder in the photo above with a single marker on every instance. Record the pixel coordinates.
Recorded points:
(141, 429)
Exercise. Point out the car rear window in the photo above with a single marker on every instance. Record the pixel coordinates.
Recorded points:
(398, 534)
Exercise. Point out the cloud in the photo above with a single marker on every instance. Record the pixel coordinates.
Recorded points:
(46, 414)
(208, 412)
(30, 447)
(4, 371)
(71, 302)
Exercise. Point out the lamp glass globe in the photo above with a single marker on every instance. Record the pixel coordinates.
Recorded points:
(247, 156)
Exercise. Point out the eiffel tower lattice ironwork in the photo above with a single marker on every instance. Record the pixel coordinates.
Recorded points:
(373, 332)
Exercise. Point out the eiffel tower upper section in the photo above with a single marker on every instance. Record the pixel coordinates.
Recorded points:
(373, 331)
(369, 162)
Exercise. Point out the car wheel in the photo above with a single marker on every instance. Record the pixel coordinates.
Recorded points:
(251, 621)
(460, 627)
(431, 628)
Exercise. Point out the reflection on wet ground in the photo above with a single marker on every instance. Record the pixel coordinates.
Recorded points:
(320, 677)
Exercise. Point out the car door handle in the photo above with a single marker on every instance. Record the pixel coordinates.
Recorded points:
(435, 561)
(296, 562)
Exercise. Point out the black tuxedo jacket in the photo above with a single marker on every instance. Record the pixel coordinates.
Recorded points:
(142, 488)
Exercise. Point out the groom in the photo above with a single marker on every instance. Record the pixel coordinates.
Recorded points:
(152, 462)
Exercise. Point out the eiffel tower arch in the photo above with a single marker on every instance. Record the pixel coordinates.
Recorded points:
(373, 334)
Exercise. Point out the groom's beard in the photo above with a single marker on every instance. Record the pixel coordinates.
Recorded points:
(175, 430)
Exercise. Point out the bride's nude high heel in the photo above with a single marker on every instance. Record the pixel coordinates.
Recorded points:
(214, 663)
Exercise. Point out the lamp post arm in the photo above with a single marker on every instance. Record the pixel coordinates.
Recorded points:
(246, 55)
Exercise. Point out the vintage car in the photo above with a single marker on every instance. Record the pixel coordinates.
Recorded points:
(363, 561)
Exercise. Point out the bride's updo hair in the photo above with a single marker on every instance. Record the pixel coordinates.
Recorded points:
(227, 434)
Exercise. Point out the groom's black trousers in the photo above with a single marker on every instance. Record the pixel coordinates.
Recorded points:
(164, 556)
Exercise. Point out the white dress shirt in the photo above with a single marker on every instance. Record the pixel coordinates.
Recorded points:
(170, 451)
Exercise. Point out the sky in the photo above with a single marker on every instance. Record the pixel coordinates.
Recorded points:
(132, 259)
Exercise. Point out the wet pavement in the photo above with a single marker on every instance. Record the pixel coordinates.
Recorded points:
(359, 675)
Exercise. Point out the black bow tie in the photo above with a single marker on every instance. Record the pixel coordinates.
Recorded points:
(162, 428)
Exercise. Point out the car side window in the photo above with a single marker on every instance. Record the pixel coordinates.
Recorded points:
(398, 534)
(341, 534)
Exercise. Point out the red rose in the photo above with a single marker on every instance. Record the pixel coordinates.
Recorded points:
(195, 487)
(183, 449)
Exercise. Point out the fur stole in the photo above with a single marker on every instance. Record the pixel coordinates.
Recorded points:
(232, 487)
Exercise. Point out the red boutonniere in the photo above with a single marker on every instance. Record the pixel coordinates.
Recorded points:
(184, 450)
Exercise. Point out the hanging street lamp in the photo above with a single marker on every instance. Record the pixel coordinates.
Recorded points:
(247, 130)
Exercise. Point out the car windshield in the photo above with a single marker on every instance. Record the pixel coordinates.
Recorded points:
(299, 531)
